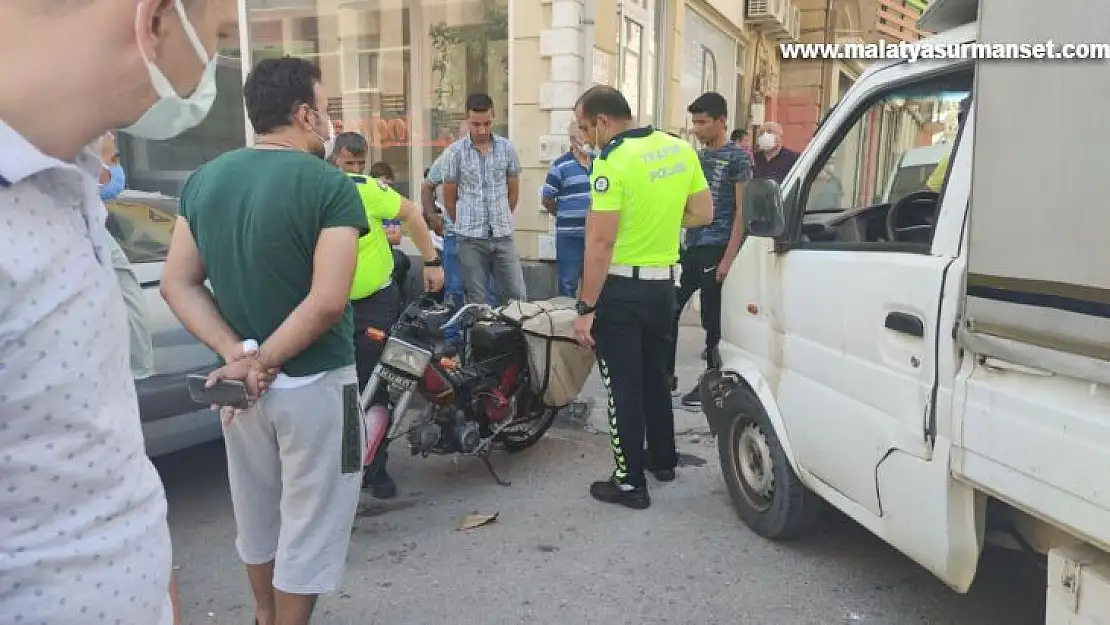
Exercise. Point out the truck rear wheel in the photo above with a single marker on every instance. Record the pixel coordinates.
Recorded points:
(767, 494)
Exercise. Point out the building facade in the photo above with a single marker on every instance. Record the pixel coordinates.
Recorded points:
(806, 89)
(399, 71)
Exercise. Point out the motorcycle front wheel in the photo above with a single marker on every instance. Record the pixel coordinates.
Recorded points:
(530, 427)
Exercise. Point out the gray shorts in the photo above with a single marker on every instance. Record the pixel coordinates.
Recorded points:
(295, 466)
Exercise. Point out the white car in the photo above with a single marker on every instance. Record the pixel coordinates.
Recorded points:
(143, 223)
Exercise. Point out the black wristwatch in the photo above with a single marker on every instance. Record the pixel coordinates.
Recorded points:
(436, 262)
(583, 308)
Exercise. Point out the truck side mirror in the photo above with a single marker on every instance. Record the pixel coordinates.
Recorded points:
(763, 208)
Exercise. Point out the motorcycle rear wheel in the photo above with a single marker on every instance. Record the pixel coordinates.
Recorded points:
(529, 428)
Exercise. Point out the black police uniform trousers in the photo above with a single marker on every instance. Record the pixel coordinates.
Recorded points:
(632, 331)
(380, 310)
(699, 274)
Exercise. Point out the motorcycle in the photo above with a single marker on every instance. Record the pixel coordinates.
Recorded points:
(470, 366)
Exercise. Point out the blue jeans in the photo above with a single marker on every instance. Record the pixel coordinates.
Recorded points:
(570, 251)
(452, 275)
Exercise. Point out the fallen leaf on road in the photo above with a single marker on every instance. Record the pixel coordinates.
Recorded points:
(471, 521)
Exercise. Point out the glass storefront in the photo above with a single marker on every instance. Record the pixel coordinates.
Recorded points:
(397, 71)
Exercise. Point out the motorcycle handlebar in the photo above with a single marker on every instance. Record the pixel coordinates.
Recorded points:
(477, 311)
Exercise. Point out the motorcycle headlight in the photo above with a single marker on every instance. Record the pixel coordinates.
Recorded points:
(405, 357)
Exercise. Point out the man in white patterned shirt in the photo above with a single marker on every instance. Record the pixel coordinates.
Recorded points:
(83, 533)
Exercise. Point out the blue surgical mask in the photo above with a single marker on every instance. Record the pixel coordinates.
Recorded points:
(172, 114)
(111, 190)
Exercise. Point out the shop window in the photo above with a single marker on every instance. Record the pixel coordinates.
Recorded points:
(397, 71)
(368, 63)
(662, 25)
(632, 65)
(708, 70)
(740, 110)
(706, 51)
(637, 60)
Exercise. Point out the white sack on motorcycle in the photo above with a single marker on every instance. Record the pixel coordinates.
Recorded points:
(559, 365)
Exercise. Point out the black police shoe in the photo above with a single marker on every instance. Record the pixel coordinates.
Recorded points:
(612, 491)
(663, 475)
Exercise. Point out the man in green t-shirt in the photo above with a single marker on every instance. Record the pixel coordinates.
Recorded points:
(274, 230)
(646, 185)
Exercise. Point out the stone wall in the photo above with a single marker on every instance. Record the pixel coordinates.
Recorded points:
(559, 49)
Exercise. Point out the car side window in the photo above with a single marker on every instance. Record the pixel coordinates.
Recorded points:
(877, 184)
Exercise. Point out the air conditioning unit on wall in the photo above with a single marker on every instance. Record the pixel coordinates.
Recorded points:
(771, 16)
(791, 24)
(761, 11)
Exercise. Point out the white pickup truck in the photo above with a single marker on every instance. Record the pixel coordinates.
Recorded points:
(938, 368)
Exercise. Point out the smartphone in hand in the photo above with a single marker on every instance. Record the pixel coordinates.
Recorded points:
(232, 393)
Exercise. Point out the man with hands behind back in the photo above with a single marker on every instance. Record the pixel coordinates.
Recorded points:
(275, 231)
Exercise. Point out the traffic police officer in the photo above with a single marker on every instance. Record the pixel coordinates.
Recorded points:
(374, 297)
(646, 184)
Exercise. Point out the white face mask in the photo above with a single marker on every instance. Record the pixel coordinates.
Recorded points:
(766, 142)
(172, 114)
(329, 144)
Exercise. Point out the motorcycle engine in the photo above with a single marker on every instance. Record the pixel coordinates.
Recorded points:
(467, 437)
(424, 438)
(445, 431)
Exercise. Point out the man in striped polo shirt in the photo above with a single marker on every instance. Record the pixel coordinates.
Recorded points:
(566, 195)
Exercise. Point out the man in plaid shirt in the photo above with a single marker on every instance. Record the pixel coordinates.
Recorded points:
(481, 185)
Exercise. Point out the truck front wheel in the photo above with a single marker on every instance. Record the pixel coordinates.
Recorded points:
(767, 494)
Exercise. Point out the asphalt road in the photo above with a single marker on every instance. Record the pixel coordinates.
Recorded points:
(556, 556)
